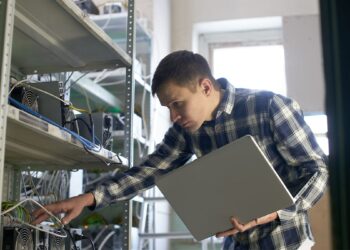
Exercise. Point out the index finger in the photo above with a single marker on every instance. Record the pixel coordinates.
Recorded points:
(37, 212)
(42, 214)
(39, 218)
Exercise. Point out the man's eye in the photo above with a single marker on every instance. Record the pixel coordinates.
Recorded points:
(177, 104)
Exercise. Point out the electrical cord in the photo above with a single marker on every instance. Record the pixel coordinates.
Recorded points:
(92, 243)
(34, 188)
(75, 81)
(105, 240)
(92, 128)
(16, 85)
(105, 162)
(65, 82)
(32, 226)
(68, 103)
(86, 143)
(78, 237)
(24, 186)
(83, 121)
(70, 236)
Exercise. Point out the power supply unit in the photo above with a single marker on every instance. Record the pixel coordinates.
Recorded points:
(49, 106)
(43, 103)
(98, 125)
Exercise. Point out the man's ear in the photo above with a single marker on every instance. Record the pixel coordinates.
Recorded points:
(206, 86)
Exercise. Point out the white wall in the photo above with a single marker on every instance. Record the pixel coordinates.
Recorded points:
(301, 33)
(161, 34)
(186, 13)
(160, 48)
(304, 64)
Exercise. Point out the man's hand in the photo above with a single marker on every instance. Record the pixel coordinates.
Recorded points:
(71, 207)
(238, 227)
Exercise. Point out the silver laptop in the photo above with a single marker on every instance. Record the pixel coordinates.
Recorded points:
(234, 180)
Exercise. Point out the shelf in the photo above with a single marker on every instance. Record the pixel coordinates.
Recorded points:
(33, 142)
(116, 78)
(119, 134)
(56, 36)
(115, 26)
(100, 94)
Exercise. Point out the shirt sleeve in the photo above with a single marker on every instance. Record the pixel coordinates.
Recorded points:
(171, 153)
(307, 173)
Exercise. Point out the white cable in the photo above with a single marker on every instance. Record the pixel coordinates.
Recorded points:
(139, 146)
(22, 82)
(41, 182)
(105, 240)
(32, 226)
(33, 186)
(146, 77)
(95, 239)
(143, 111)
(76, 123)
(49, 94)
(24, 186)
(96, 179)
(87, 102)
(17, 84)
(107, 22)
(106, 84)
(64, 185)
(100, 76)
(144, 117)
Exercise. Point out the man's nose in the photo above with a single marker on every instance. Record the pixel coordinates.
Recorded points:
(174, 116)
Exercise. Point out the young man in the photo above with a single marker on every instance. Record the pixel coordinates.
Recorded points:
(208, 114)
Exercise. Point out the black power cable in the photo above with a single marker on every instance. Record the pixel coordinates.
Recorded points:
(78, 237)
(70, 236)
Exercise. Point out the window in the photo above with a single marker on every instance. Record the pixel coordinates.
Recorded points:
(254, 67)
(318, 125)
(248, 52)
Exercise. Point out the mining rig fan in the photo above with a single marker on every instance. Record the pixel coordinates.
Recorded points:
(56, 243)
(41, 247)
(18, 238)
(27, 97)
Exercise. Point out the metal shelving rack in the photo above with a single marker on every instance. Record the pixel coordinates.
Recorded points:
(47, 37)
(33, 142)
(129, 111)
(114, 24)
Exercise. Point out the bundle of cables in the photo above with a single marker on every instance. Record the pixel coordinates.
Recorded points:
(18, 212)
(86, 143)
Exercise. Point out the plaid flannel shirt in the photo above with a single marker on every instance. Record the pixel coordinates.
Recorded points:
(277, 124)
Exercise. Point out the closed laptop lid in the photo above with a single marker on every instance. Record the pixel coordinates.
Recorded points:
(234, 180)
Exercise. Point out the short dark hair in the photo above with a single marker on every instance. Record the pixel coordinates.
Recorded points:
(182, 67)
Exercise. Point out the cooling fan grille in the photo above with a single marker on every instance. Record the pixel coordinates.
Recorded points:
(30, 99)
(24, 240)
(57, 243)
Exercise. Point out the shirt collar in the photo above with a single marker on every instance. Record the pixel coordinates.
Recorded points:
(228, 98)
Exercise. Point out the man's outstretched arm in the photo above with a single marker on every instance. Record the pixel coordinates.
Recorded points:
(71, 207)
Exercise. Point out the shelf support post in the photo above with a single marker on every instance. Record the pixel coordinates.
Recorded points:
(7, 13)
(129, 113)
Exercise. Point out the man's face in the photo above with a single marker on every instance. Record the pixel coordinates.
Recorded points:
(188, 107)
